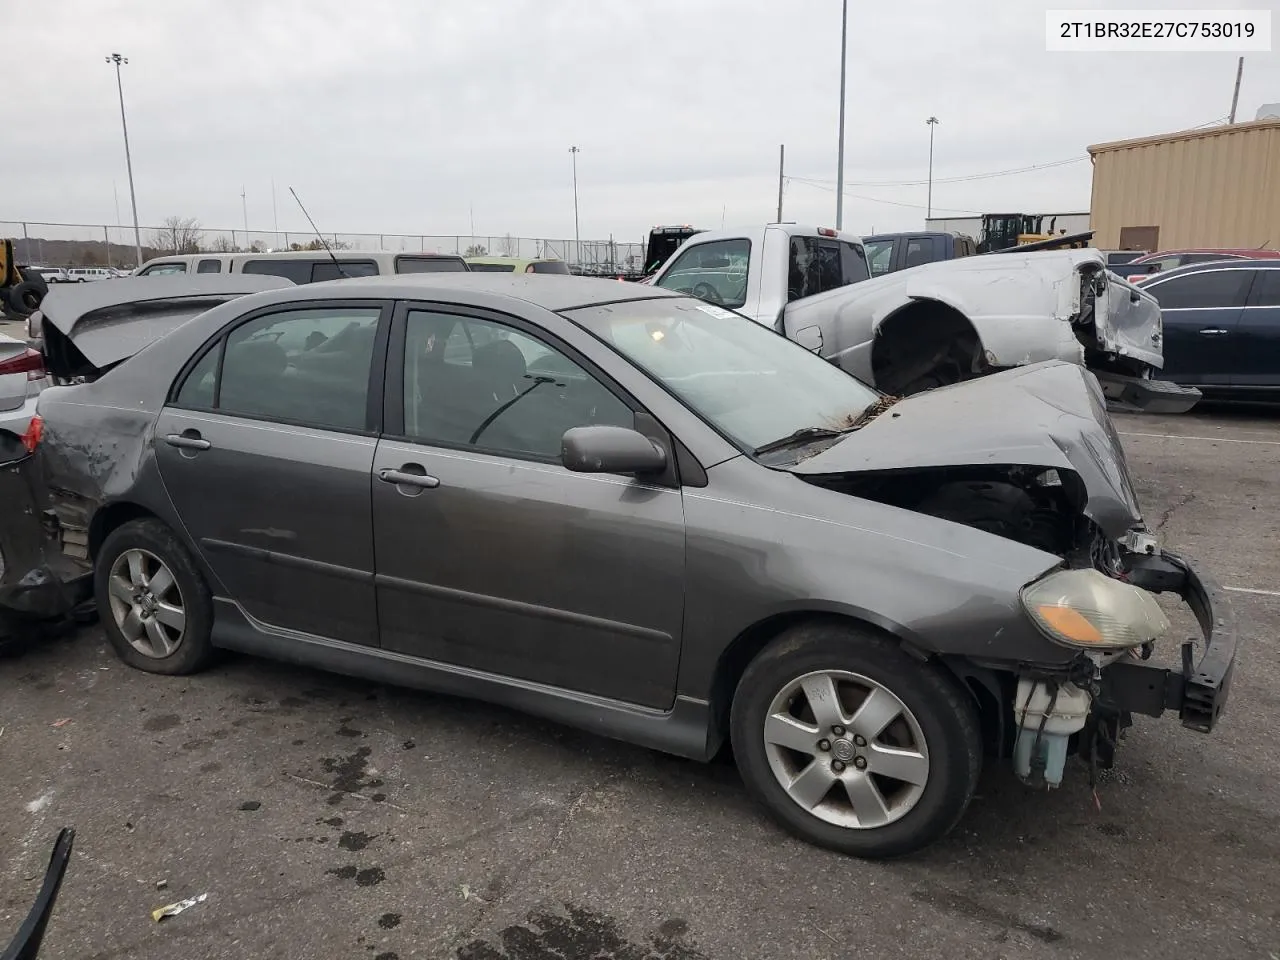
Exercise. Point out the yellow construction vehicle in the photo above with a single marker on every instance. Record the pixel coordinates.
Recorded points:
(21, 289)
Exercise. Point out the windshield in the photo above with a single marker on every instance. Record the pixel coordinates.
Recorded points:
(751, 384)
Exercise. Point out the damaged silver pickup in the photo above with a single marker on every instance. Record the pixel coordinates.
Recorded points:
(944, 322)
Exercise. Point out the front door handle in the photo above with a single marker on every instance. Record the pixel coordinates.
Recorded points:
(1213, 332)
(403, 478)
(188, 439)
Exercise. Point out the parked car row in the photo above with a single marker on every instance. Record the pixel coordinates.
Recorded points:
(649, 516)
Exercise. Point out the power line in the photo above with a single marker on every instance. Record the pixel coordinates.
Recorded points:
(965, 177)
(893, 203)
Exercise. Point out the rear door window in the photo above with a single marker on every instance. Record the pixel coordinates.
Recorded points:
(919, 250)
(1267, 289)
(1210, 288)
(309, 367)
(209, 266)
(819, 264)
(853, 262)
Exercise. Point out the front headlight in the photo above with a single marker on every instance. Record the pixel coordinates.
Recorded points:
(1085, 608)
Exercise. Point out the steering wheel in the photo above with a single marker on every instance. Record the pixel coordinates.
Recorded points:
(705, 291)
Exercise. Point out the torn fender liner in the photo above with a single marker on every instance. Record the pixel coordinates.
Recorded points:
(88, 327)
(1050, 414)
(37, 581)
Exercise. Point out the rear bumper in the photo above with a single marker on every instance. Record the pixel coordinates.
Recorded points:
(1149, 396)
(39, 582)
(1197, 691)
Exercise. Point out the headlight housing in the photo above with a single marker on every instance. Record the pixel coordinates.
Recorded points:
(1087, 609)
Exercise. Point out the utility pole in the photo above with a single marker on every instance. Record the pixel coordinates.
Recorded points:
(128, 160)
(244, 207)
(782, 160)
(275, 221)
(844, 28)
(1235, 95)
(932, 122)
(577, 240)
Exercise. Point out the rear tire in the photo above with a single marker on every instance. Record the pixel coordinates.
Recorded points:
(913, 774)
(154, 605)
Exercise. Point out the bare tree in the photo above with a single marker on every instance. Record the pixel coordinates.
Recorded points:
(223, 244)
(475, 250)
(178, 235)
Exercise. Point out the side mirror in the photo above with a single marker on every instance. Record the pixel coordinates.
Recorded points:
(602, 449)
(810, 338)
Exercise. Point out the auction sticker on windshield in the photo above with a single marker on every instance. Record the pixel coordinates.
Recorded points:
(718, 312)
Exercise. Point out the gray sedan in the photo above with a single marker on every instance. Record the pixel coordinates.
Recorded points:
(641, 514)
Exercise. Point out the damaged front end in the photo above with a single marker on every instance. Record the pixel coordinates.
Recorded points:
(40, 586)
(1122, 331)
(1031, 456)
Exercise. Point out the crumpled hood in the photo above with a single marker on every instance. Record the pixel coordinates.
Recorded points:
(1050, 414)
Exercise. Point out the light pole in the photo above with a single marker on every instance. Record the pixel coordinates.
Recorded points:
(844, 27)
(932, 122)
(128, 160)
(577, 241)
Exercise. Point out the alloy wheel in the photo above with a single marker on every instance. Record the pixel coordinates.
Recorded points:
(146, 603)
(846, 749)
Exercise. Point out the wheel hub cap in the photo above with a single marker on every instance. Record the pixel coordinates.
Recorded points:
(842, 750)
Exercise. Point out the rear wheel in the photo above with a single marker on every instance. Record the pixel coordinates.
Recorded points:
(153, 602)
(853, 745)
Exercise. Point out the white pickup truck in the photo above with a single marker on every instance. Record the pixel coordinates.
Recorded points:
(937, 323)
(759, 270)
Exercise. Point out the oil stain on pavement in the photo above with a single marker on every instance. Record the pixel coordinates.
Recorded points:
(580, 933)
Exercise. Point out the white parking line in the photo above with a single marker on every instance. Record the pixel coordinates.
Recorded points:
(1172, 436)
(1264, 593)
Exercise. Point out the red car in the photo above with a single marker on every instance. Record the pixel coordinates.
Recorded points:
(1145, 266)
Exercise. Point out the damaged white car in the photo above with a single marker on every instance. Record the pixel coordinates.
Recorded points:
(944, 322)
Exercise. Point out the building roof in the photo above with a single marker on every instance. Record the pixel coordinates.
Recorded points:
(1200, 133)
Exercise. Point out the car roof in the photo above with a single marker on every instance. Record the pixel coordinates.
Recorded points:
(757, 233)
(1253, 254)
(547, 290)
(503, 260)
(1210, 265)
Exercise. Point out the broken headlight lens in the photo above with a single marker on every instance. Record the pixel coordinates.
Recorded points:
(1086, 608)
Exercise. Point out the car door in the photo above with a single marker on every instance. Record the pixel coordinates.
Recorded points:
(1201, 311)
(1256, 362)
(493, 556)
(266, 450)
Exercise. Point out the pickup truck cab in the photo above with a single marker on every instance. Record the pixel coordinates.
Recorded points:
(890, 252)
(759, 270)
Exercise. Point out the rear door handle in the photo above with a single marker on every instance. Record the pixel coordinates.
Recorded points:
(1212, 332)
(190, 440)
(401, 478)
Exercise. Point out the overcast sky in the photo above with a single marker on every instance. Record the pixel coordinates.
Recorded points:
(402, 117)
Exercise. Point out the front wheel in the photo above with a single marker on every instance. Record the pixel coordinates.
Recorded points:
(853, 745)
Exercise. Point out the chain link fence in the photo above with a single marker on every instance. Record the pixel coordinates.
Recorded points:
(83, 244)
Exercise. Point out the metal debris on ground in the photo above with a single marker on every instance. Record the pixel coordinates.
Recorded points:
(173, 909)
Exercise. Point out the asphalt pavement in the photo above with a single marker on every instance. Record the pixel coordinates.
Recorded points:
(330, 818)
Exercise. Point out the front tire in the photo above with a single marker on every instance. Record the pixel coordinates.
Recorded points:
(155, 606)
(853, 745)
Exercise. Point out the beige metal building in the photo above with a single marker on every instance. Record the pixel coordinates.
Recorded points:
(1215, 187)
